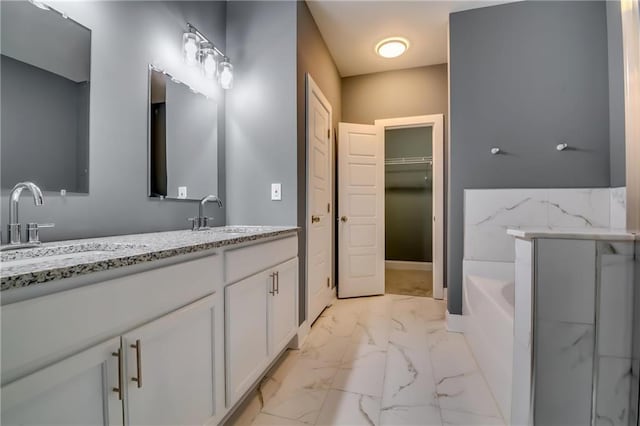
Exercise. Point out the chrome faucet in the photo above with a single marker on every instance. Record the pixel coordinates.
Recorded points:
(14, 198)
(202, 221)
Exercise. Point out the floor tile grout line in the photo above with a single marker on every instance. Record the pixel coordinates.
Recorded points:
(326, 394)
(433, 377)
(484, 379)
(386, 363)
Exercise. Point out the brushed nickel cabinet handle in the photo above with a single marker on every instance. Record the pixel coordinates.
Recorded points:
(138, 348)
(273, 284)
(118, 354)
(278, 282)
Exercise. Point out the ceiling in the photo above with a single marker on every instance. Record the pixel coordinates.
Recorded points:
(351, 30)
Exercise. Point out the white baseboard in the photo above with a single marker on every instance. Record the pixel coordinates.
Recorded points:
(401, 264)
(455, 322)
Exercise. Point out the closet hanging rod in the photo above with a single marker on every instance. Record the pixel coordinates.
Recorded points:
(408, 160)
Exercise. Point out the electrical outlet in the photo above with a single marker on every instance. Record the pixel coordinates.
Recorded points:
(182, 192)
(276, 191)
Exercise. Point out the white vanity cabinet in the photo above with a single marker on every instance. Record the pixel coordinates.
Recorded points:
(84, 384)
(162, 373)
(261, 318)
(170, 372)
(283, 306)
(177, 344)
(261, 313)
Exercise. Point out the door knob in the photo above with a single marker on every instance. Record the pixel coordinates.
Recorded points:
(315, 219)
(344, 219)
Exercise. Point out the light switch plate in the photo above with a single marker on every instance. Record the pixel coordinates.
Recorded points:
(276, 191)
(182, 192)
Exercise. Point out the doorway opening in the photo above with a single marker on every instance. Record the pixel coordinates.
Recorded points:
(414, 205)
(408, 211)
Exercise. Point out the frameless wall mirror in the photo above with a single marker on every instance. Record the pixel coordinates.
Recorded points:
(183, 140)
(44, 84)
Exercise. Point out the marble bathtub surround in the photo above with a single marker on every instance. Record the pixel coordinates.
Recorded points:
(593, 234)
(618, 212)
(489, 212)
(581, 331)
(384, 360)
(564, 367)
(80, 257)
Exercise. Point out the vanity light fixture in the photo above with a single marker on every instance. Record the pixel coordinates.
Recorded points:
(225, 76)
(392, 47)
(190, 48)
(208, 60)
(199, 50)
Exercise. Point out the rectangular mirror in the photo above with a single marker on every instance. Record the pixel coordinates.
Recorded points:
(45, 86)
(183, 140)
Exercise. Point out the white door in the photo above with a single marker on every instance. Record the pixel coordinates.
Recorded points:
(246, 351)
(283, 306)
(81, 390)
(170, 372)
(361, 210)
(319, 218)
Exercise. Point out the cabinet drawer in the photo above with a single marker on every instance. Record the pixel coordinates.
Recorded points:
(243, 262)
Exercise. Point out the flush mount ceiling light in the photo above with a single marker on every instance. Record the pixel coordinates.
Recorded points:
(197, 50)
(392, 47)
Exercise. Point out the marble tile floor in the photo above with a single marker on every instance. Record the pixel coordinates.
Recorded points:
(385, 360)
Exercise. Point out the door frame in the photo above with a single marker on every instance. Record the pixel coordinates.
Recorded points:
(436, 122)
(312, 87)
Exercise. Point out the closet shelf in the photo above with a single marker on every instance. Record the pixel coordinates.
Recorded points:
(408, 160)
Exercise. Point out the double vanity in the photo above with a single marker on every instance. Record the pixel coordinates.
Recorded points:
(161, 328)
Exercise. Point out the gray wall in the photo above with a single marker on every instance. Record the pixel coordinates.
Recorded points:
(390, 94)
(313, 58)
(524, 77)
(261, 113)
(616, 95)
(43, 131)
(126, 37)
(408, 196)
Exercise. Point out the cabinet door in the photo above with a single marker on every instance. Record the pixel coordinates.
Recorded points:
(246, 333)
(283, 306)
(76, 391)
(170, 370)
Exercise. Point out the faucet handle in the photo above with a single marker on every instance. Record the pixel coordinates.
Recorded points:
(195, 223)
(206, 220)
(33, 231)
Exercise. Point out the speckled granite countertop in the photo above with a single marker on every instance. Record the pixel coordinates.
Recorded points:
(64, 259)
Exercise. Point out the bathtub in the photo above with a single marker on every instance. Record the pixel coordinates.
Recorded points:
(488, 307)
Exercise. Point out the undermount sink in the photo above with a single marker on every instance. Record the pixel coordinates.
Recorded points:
(40, 254)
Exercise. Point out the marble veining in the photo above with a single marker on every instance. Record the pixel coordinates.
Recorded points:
(80, 257)
(383, 360)
(488, 213)
(618, 212)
